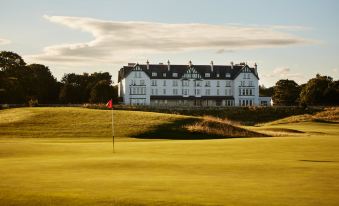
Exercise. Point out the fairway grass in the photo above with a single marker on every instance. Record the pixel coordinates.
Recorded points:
(292, 169)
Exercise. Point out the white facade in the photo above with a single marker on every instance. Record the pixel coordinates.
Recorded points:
(190, 85)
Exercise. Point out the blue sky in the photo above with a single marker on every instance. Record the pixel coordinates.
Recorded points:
(287, 39)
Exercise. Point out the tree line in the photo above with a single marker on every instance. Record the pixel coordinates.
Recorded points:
(318, 91)
(34, 83)
(21, 83)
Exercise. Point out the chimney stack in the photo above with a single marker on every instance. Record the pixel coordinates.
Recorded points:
(147, 64)
(212, 66)
(190, 63)
(232, 64)
(168, 65)
(256, 68)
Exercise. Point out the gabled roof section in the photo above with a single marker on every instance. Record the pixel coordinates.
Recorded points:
(247, 69)
(175, 71)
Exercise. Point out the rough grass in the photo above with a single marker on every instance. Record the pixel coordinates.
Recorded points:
(328, 115)
(219, 127)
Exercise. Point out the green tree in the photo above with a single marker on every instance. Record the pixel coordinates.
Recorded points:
(286, 93)
(9, 60)
(265, 91)
(320, 90)
(101, 92)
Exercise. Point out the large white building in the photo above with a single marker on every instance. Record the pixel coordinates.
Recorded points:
(190, 85)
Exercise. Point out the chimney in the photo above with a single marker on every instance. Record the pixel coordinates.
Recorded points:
(147, 64)
(255, 68)
(211, 66)
(168, 65)
(190, 63)
(232, 65)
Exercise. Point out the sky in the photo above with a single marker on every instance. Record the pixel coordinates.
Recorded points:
(288, 39)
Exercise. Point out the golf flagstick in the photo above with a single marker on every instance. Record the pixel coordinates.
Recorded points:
(110, 105)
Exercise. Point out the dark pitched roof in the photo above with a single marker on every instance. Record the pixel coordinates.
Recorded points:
(219, 71)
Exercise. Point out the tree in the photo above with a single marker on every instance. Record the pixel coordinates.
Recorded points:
(9, 60)
(70, 94)
(286, 93)
(101, 92)
(265, 92)
(320, 90)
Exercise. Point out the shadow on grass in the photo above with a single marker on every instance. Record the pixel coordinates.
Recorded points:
(178, 130)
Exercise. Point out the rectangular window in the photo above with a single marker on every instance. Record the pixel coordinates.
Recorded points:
(175, 83)
(164, 91)
(154, 74)
(175, 74)
(218, 84)
(197, 91)
(164, 82)
(154, 82)
(142, 82)
(175, 91)
(185, 83)
(208, 92)
(164, 74)
(207, 75)
(228, 83)
(185, 92)
(208, 84)
(198, 84)
(250, 83)
(217, 91)
(228, 75)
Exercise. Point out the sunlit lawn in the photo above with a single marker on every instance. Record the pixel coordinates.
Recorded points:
(79, 168)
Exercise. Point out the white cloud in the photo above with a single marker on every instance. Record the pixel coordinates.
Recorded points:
(285, 72)
(4, 41)
(120, 41)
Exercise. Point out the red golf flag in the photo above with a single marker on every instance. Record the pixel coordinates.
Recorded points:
(109, 104)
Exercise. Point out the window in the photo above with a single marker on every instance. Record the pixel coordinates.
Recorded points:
(198, 84)
(245, 76)
(250, 83)
(185, 83)
(243, 92)
(208, 84)
(164, 91)
(164, 82)
(207, 75)
(217, 91)
(226, 92)
(154, 82)
(251, 92)
(175, 74)
(218, 75)
(152, 91)
(208, 92)
(228, 75)
(142, 82)
(197, 91)
(175, 83)
(228, 83)
(185, 92)
(154, 74)
(164, 74)
(175, 91)
(218, 84)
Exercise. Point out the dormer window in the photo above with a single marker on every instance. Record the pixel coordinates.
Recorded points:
(164, 74)
(154, 74)
(175, 74)
(218, 75)
(207, 75)
(228, 75)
